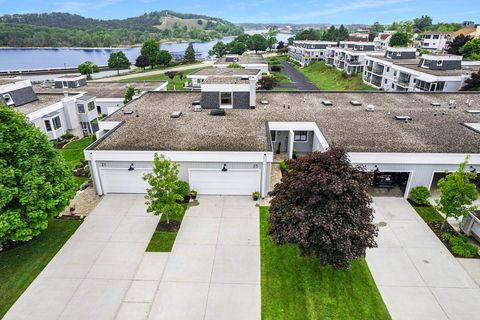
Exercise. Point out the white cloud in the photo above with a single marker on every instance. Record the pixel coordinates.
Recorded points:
(83, 6)
(355, 5)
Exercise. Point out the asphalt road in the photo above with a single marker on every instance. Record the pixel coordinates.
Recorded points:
(298, 79)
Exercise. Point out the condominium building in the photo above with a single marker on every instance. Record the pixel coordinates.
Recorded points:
(349, 57)
(307, 51)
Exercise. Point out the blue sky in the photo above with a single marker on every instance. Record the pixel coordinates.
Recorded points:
(264, 11)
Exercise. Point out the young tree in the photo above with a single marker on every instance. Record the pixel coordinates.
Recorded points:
(267, 83)
(456, 193)
(457, 43)
(163, 58)
(150, 50)
(129, 95)
(322, 205)
(87, 68)
(171, 74)
(35, 183)
(165, 188)
(189, 54)
(142, 62)
(472, 83)
(400, 39)
(118, 60)
(219, 49)
(471, 49)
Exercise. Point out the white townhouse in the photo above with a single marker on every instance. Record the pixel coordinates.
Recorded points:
(226, 137)
(400, 70)
(349, 57)
(435, 40)
(199, 77)
(246, 61)
(308, 51)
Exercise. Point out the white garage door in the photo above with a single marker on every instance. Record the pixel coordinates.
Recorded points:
(123, 181)
(231, 182)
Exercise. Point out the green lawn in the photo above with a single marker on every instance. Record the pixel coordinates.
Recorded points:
(21, 265)
(176, 82)
(162, 241)
(428, 214)
(73, 154)
(297, 288)
(329, 78)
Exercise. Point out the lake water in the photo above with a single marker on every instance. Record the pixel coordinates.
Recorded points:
(44, 58)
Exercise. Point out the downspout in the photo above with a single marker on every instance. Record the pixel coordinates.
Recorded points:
(95, 174)
(264, 176)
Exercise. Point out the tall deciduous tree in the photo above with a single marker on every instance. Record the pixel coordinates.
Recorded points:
(257, 42)
(118, 60)
(163, 58)
(219, 49)
(35, 183)
(272, 36)
(400, 39)
(423, 23)
(457, 43)
(150, 50)
(189, 54)
(87, 68)
(471, 49)
(322, 206)
(142, 62)
(165, 188)
(457, 193)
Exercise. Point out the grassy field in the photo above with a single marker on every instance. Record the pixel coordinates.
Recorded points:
(297, 288)
(176, 82)
(280, 76)
(162, 241)
(73, 154)
(329, 78)
(21, 265)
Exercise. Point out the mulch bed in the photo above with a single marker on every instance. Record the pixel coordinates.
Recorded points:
(173, 226)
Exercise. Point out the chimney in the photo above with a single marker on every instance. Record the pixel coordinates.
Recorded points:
(253, 92)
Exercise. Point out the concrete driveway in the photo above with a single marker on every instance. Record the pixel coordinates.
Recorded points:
(103, 271)
(416, 275)
(90, 276)
(213, 271)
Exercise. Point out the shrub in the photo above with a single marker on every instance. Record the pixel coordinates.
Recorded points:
(255, 195)
(283, 166)
(276, 68)
(267, 83)
(295, 155)
(460, 245)
(183, 187)
(67, 136)
(171, 74)
(420, 195)
(84, 185)
(234, 65)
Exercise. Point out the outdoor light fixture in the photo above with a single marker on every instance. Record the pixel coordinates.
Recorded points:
(376, 169)
(224, 169)
(131, 168)
(472, 169)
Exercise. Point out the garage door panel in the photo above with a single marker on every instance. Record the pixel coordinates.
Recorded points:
(231, 182)
(124, 181)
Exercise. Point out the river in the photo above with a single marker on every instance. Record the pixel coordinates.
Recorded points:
(45, 58)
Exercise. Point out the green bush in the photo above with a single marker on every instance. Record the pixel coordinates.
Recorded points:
(283, 166)
(183, 187)
(67, 135)
(420, 195)
(460, 245)
(234, 65)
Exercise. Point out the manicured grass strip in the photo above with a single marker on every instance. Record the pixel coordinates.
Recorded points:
(297, 288)
(161, 241)
(21, 265)
(73, 154)
(176, 82)
(428, 214)
(329, 78)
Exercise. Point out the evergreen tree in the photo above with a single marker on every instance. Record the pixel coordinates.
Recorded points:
(189, 54)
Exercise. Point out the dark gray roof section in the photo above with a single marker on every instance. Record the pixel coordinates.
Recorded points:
(20, 96)
(349, 126)
(51, 114)
(44, 100)
(85, 98)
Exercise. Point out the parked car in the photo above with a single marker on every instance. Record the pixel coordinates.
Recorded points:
(384, 181)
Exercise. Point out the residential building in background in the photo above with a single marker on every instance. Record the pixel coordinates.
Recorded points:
(199, 77)
(308, 51)
(349, 57)
(247, 61)
(435, 40)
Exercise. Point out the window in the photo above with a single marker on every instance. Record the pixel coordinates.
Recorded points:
(301, 136)
(436, 36)
(57, 124)
(385, 81)
(81, 108)
(65, 84)
(395, 73)
(48, 126)
(388, 69)
(273, 136)
(427, 36)
(91, 105)
(226, 98)
(426, 63)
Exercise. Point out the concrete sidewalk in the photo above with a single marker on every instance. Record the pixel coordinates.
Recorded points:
(213, 271)
(416, 275)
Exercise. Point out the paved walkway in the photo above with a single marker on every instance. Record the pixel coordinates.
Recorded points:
(213, 271)
(416, 275)
(203, 64)
(298, 79)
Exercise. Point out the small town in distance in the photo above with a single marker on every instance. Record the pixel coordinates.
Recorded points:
(208, 161)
